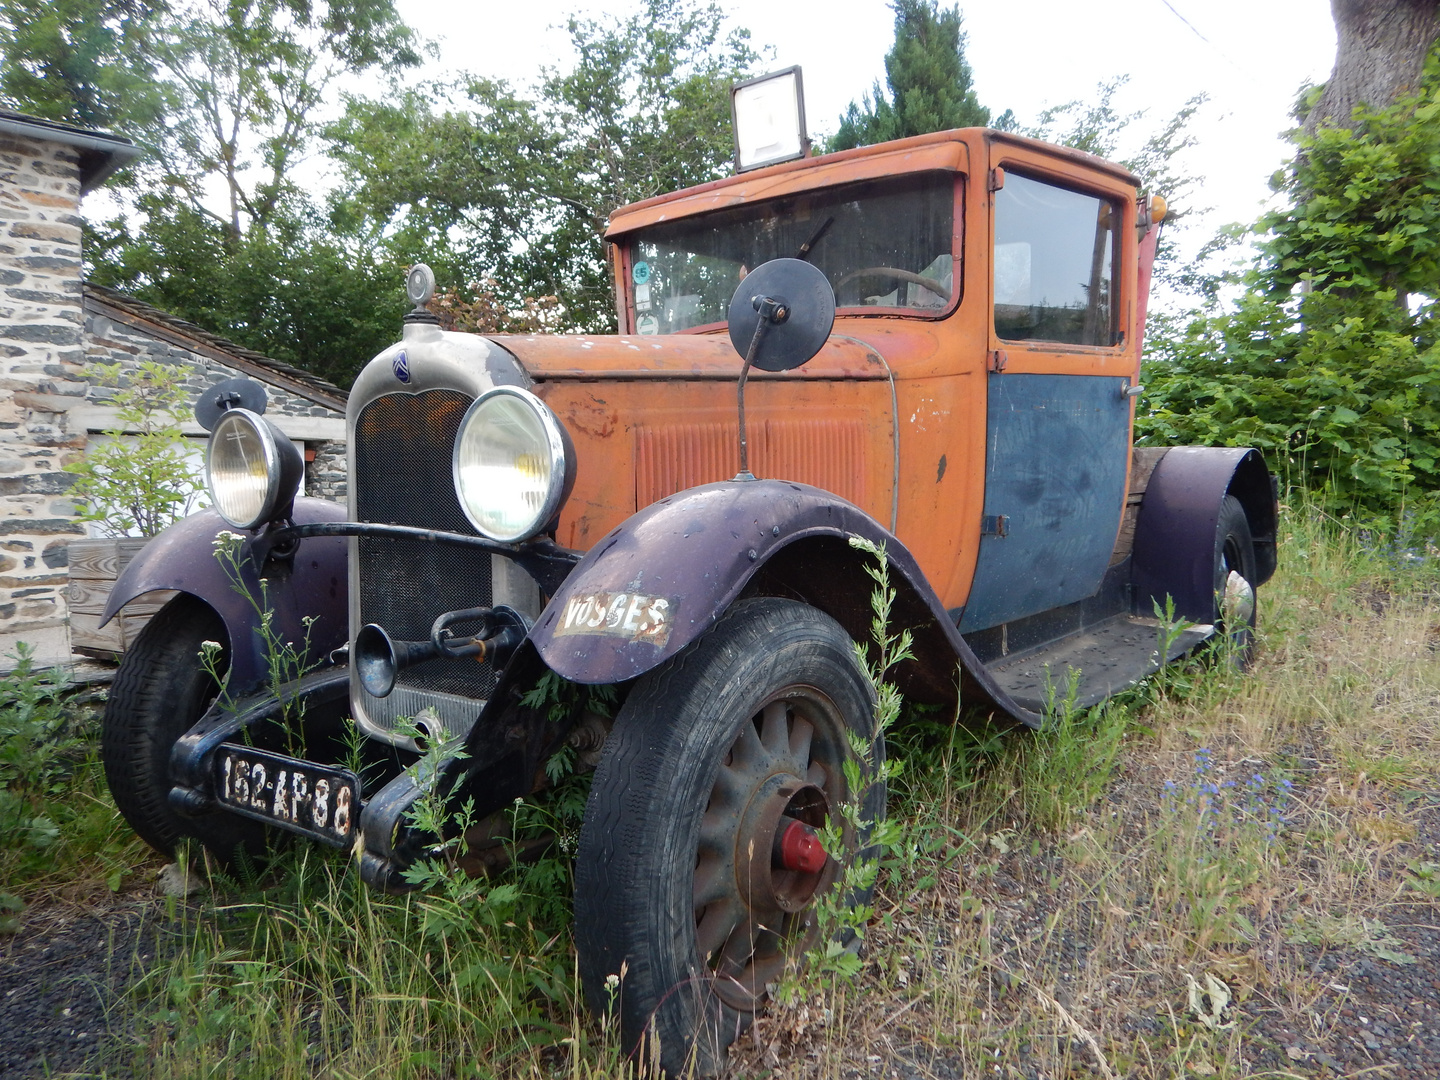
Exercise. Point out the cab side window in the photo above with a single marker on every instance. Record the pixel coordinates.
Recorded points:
(1054, 264)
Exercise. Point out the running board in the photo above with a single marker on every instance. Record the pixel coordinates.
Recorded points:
(1108, 656)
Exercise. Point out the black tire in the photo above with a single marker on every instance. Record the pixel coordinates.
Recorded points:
(749, 722)
(160, 690)
(1236, 608)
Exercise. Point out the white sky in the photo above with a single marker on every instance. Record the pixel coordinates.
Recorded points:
(1250, 56)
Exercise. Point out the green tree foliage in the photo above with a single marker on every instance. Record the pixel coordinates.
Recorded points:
(79, 61)
(225, 96)
(142, 482)
(501, 186)
(517, 186)
(1329, 361)
(293, 290)
(244, 80)
(930, 82)
(1099, 126)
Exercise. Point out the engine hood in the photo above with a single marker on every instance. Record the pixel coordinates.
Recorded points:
(684, 356)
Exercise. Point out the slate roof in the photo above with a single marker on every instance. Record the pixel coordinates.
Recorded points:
(117, 305)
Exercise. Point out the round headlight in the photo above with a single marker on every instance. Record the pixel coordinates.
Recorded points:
(250, 472)
(510, 464)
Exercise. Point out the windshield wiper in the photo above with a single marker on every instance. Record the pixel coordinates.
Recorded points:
(804, 253)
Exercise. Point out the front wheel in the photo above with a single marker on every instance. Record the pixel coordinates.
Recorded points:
(698, 869)
(160, 690)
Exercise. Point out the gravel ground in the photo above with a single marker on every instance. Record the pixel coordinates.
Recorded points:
(62, 976)
(1375, 1017)
(1379, 1018)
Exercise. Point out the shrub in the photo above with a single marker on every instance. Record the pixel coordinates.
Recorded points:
(1329, 362)
(37, 750)
(143, 482)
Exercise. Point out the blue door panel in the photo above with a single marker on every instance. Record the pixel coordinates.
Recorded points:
(1056, 452)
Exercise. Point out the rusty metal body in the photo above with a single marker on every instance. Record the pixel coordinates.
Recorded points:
(972, 416)
(892, 415)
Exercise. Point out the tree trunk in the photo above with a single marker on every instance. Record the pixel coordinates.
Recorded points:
(1379, 57)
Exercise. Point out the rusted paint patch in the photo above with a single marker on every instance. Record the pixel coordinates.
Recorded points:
(626, 615)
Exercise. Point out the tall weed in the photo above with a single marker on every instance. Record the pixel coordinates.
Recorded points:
(37, 751)
(322, 976)
(60, 828)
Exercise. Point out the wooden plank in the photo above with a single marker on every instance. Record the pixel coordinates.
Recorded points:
(101, 560)
(1142, 466)
(148, 604)
(86, 634)
(130, 626)
(97, 654)
(94, 566)
(1143, 460)
(89, 597)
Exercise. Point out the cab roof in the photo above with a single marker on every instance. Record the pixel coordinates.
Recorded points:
(946, 151)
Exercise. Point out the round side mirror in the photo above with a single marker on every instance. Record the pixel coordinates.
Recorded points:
(801, 310)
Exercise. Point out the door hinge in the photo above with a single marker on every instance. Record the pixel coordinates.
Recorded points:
(997, 360)
(997, 178)
(995, 525)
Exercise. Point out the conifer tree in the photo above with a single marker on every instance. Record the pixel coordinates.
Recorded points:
(931, 86)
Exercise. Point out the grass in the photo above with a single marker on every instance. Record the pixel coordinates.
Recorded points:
(320, 974)
(1094, 880)
(63, 838)
(1125, 895)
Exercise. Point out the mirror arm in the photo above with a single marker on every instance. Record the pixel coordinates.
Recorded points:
(772, 312)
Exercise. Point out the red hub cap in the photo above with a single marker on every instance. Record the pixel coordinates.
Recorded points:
(798, 848)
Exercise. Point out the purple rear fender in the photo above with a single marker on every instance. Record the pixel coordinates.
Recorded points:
(314, 584)
(663, 577)
(1174, 553)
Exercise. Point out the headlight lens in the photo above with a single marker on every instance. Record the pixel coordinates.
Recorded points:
(248, 470)
(510, 464)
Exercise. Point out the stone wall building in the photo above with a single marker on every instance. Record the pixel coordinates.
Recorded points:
(53, 325)
(119, 328)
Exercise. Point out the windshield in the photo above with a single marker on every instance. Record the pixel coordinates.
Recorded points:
(885, 244)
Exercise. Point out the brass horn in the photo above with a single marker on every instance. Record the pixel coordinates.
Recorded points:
(378, 658)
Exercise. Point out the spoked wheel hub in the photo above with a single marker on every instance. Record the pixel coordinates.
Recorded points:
(783, 858)
(760, 861)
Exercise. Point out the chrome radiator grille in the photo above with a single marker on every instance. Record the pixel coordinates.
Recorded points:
(402, 451)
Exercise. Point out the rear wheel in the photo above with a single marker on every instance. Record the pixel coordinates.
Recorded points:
(699, 869)
(1235, 605)
(160, 690)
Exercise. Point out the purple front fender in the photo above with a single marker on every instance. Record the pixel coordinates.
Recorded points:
(313, 584)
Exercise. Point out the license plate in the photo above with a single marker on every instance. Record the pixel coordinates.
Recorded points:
(319, 801)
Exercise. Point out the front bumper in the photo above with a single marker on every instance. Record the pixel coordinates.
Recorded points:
(305, 720)
(496, 763)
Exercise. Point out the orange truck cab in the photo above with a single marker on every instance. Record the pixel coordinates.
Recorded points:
(954, 326)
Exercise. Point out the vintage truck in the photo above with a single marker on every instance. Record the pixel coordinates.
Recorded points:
(575, 505)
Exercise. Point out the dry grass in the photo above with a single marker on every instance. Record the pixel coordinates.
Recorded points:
(1080, 943)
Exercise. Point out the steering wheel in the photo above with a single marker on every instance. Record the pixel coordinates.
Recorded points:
(896, 273)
